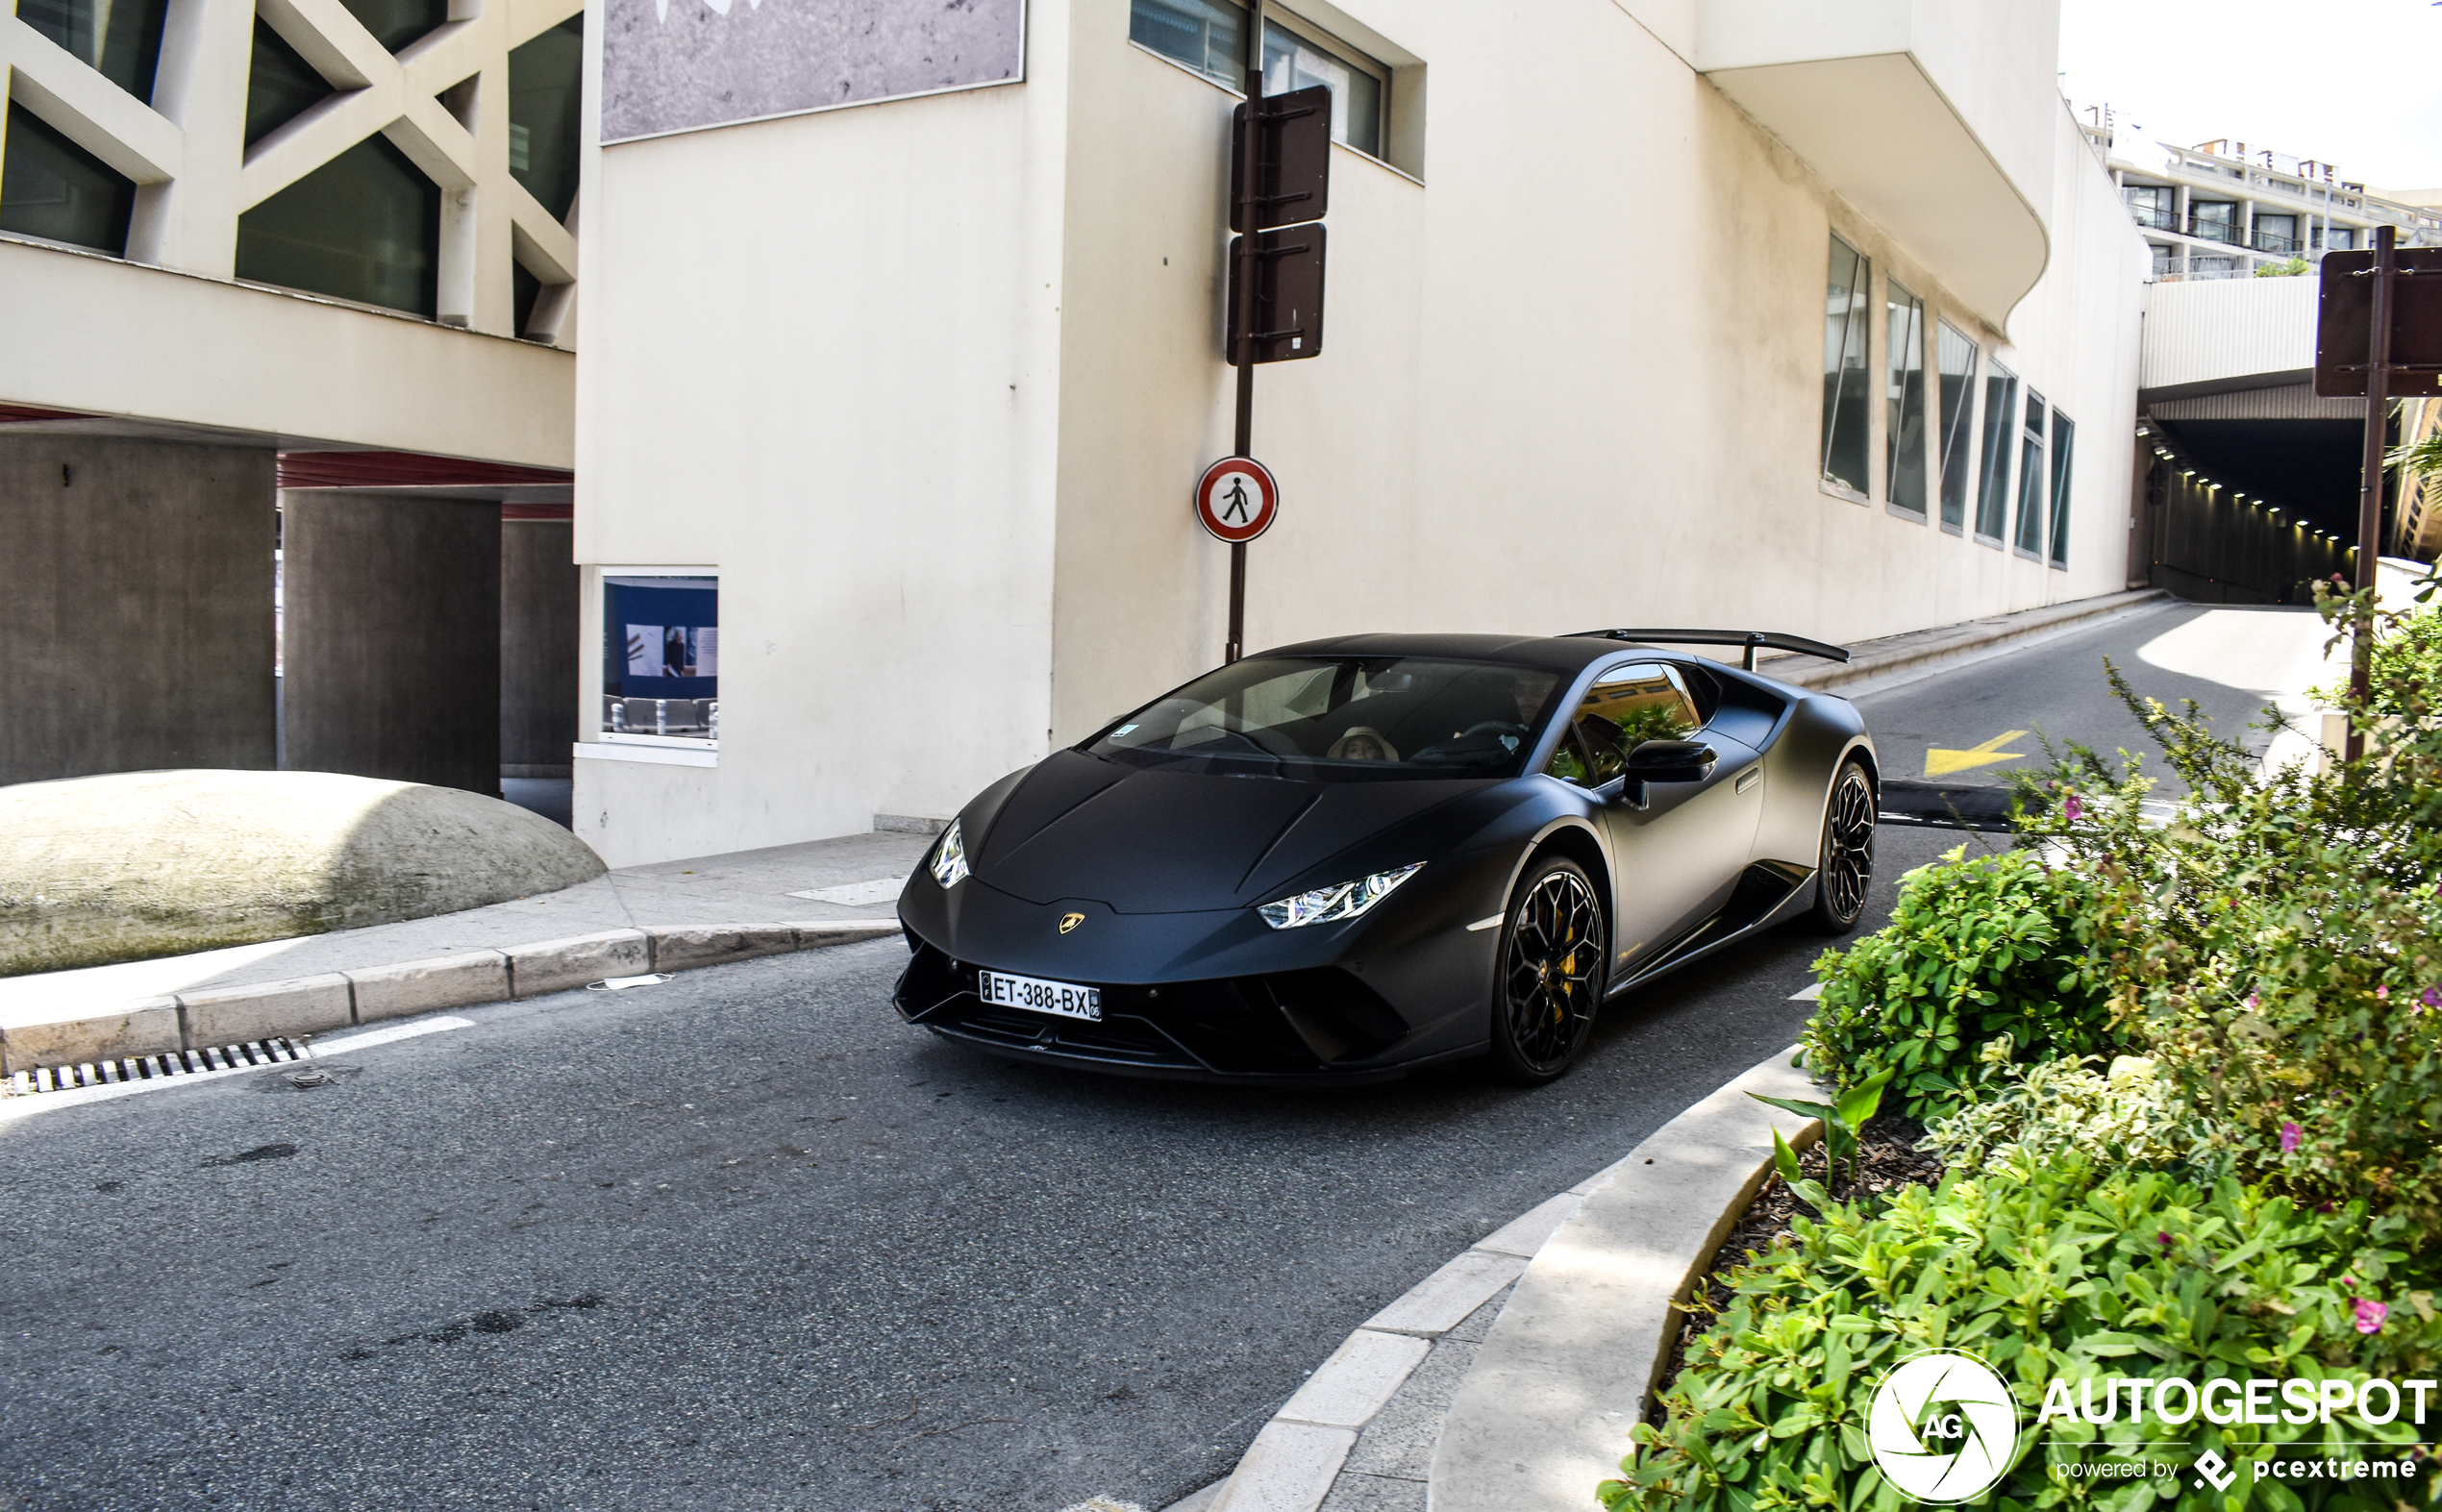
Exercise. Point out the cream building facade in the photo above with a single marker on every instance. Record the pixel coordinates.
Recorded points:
(1737, 312)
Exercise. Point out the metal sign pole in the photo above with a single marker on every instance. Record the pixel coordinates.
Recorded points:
(1242, 340)
(2370, 487)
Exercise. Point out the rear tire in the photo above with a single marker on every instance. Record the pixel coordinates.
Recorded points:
(1844, 875)
(1551, 971)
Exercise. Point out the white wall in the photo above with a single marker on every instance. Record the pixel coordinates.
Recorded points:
(1573, 378)
(828, 371)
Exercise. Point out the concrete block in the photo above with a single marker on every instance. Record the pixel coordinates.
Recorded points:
(1289, 1468)
(235, 1015)
(819, 933)
(1561, 1381)
(558, 965)
(443, 981)
(1351, 1386)
(686, 947)
(1443, 1301)
(145, 1027)
(1522, 1235)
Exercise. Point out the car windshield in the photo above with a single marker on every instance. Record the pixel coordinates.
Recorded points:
(1352, 717)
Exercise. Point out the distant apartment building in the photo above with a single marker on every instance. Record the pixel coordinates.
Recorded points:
(2226, 208)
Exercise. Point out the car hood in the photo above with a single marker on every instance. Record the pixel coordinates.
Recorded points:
(1154, 841)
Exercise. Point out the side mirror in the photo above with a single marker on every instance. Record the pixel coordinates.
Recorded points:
(1670, 761)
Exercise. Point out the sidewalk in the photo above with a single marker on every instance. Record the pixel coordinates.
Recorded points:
(714, 891)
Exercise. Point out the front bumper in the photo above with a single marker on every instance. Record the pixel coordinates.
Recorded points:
(1213, 996)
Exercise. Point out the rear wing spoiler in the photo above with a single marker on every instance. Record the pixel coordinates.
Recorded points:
(1752, 639)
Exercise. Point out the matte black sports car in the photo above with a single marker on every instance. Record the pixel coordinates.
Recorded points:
(1348, 858)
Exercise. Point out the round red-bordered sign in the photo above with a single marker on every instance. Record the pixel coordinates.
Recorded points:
(1237, 499)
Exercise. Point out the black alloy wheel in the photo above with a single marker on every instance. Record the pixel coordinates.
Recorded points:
(1552, 973)
(1847, 872)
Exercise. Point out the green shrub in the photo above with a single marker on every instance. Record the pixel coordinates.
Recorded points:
(2276, 947)
(2043, 1270)
(2129, 1115)
(1976, 948)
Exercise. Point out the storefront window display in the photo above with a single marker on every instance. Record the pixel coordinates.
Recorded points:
(662, 658)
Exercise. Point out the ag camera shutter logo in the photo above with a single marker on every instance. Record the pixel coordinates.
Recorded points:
(1943, 1426)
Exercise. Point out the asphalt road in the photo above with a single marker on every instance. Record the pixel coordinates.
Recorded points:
(742, 1240)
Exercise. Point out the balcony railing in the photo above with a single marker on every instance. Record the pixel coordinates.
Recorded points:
(2206, 229)
(2154, 219)
(2285, 246)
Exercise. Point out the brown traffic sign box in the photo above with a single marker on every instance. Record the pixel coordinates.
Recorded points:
(1288, 294)
(1292, 158)
(2345, 318)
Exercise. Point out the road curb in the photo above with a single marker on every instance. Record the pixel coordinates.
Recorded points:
(1923, 647)
(1706, 1164)
(1570, 1366)
(195, 1021)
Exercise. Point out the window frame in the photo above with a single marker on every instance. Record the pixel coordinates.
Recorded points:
(1570, 740)
(592, 727)
(1965, 426)
(1323, 39)
(1995, 453)
(2033, 494)
(2065, 461)
(1898, 411)
(1858, 320)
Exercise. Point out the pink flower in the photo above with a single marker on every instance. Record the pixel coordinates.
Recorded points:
(2382, 992)
(2251, 999)
(2162, 1239)
(2432, 997)
(2370, 1315)
(2290, 1135)
(2071, 808)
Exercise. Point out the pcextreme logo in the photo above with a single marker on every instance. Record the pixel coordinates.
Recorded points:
(1943, 1427)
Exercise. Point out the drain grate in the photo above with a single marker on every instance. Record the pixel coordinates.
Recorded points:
(153, 1068)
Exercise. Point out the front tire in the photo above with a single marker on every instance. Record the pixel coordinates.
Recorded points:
(1845, 873)
(1551, 969)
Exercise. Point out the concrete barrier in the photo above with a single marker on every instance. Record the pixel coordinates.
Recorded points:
(1546, 1411)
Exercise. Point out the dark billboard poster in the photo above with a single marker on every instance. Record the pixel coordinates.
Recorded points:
(679, 66)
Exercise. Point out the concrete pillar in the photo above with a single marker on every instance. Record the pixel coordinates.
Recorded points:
(138, 610)
(392, 637)
(539, 595)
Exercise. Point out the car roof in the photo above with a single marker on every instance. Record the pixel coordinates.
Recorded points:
(1559, 653)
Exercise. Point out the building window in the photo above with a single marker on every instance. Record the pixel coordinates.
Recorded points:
(2031, 481)
(2153, 205)
(1361, 87)
(281, 85)
(1959, 405)
(1846, 312)
(543, 77)
(662, 658)
(53, 188)
(2277, 234)
(119, 39)
(1209, 37)
(2213, 220)
(364, 226)
(1904, 359)
(2064, 451)
(1992, 488)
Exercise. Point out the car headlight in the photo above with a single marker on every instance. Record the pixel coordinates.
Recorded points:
(1331, 905)
(949, 858)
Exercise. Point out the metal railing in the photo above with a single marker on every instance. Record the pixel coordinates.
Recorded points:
(2286, 246)
(2154, 219)
(2205, 229)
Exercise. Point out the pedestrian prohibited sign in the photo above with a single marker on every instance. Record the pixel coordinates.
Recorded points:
(1237, 499)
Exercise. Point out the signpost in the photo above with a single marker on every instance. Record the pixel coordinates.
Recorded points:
(1280, 188)
(2378, 332)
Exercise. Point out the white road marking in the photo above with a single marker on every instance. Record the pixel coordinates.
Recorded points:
(1810, 995)
(857, 895)
(384, 1036)
(623, 983)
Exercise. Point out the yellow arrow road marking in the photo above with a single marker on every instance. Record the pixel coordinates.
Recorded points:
(1938, 760)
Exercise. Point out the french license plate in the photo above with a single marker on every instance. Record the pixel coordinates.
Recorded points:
(1065, 999)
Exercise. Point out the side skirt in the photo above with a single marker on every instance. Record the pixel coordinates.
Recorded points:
(1767, 893)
